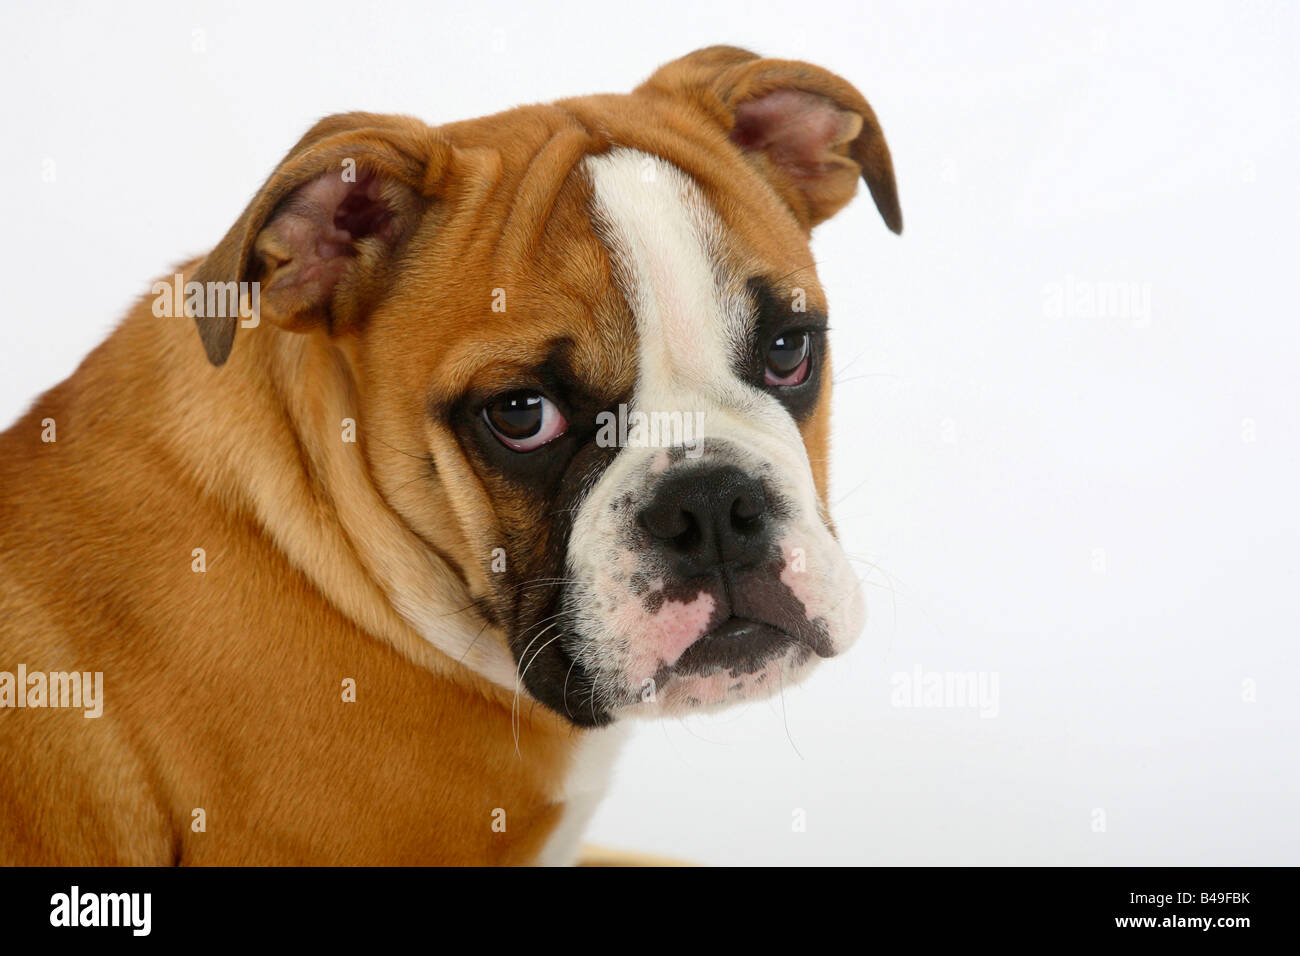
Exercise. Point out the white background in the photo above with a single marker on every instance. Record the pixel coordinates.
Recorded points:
(1100, 510)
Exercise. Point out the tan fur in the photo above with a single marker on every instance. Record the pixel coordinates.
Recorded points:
(223, 688)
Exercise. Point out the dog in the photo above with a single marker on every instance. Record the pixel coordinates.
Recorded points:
(493, 438)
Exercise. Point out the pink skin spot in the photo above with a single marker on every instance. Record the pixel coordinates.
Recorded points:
(659, 463)
(660, 638)
(802, 582)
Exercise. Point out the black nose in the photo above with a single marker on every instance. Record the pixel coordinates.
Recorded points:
(703, 518)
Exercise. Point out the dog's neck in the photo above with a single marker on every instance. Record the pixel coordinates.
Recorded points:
(274, 447)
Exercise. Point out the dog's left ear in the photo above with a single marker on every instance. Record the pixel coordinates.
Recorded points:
(320, 236)
(809, 131)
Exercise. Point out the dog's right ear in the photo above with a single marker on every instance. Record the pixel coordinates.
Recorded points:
(319, 237)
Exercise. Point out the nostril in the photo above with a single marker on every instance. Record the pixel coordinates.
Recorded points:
(747, 511)
(666, 523)
(677, 527)
(690, 537)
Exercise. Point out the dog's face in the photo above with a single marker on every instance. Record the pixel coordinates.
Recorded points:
(591, 366)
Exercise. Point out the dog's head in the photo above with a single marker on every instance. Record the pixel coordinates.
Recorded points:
(588, 355)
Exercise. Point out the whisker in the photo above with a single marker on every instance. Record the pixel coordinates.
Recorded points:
(473, 642)
(854, 378)
(424, 458)
(780, 279)
(514, 705)
(856, 488)
(784, 717)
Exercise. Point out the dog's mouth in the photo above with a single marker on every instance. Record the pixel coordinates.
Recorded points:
(739, 633)
(742, 646)
(739, 659)
(640, 638)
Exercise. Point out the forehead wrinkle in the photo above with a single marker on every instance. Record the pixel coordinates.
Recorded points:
(569, 273)
(489, 359)
(536, 190)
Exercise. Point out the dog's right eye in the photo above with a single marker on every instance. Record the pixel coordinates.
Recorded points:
(524, 421)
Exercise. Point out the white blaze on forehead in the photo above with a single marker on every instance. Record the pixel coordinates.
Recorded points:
(664, 239)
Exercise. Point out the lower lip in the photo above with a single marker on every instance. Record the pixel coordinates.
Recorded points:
(763, 636)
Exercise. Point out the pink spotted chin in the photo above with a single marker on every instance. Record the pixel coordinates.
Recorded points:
(686, 693)
(662, 636)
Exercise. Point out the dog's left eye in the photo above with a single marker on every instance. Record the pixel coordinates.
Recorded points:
(524, 421)
(787, 359)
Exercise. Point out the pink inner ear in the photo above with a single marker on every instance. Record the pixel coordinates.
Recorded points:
(362, 212)
(316, 230)
(796, 129)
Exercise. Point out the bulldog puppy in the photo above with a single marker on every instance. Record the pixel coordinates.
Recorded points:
(494, 436)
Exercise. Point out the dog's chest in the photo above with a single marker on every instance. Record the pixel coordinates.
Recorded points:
(584, 787)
